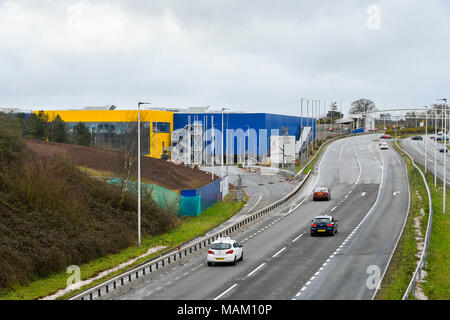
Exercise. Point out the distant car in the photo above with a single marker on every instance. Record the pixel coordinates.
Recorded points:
(326, 225)
(321, 193)
(442, 138)
(416, 138)
(384, 146)
(385, 136)
(443, 150)
(225, 250)
(432, 137)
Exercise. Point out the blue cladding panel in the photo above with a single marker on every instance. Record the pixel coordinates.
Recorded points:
(243, 121)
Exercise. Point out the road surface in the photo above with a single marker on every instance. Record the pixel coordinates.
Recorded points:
(282, 261)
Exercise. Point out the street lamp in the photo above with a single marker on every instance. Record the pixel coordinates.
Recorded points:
(139, 170)
(444, 153)
(301, 129)
(222, 137)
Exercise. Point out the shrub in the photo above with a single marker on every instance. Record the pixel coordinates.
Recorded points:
(53, 215)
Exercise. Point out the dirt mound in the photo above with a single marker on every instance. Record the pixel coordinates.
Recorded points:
(160, 172)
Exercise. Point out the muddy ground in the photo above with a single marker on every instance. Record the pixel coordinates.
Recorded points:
(161, 172)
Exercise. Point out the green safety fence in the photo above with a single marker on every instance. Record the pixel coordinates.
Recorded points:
(163, 197)
(191, 206)
(190, 203)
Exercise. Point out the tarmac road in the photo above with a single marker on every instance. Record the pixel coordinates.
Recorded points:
(416, 148)
(280, 256)
(262, 189)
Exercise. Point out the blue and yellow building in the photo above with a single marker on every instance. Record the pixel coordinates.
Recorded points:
(108, 127)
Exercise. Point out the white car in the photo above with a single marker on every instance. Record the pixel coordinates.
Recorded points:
(384, 146)
(224, 250)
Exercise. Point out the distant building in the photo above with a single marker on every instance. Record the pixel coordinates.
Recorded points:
(194, 132)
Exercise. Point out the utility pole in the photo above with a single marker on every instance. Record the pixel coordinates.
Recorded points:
(426, 140)
(435, 149)
(307, 124)
(301, 129)
(213, 149)
(445, 136)
(139, 171)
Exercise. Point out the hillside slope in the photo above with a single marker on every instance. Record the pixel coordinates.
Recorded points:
(52, 215)
(163, 173)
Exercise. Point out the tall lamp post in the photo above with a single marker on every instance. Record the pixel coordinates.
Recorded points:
(139, 170)
(444, 153)
(222, 139)
(301, 129)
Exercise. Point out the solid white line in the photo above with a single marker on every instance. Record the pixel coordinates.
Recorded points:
(262, 265)
(340, 155)
(260, 197)
(279, 252)
(225, 292)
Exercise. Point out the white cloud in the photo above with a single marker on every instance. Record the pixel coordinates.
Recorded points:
(254, 55)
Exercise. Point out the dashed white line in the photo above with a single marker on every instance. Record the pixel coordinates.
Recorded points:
(276, 254)
(262, 265)
(225, 292)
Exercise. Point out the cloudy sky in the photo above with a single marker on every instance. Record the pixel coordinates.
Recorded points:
(253, 55)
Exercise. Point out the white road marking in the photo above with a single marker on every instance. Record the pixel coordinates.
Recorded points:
(297, 238)
(225, 292)
(276, 254)
(262, 265)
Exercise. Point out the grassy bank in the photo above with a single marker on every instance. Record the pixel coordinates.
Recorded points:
(403, 264)
(190, 228)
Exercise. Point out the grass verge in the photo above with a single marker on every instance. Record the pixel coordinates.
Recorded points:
(403, 264)
(191, 228)
(437, 285)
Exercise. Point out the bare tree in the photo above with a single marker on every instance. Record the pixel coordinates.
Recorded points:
(362, 106)
(127, 153)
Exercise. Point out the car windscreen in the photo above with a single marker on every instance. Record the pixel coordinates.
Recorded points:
(322, 220)
(321, 190)
(220, 246)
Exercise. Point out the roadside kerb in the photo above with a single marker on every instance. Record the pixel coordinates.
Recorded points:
(122, 282)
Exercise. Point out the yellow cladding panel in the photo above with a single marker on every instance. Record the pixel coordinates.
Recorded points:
(158, 140)
(111, 115)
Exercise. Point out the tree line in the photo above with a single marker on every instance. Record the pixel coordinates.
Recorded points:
(39, 126)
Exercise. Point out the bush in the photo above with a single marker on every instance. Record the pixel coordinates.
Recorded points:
(11, 144)
(52, 215)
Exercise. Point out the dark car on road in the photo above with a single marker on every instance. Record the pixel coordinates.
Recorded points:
(321, 193)
(326, 225)
(416, 138)
(443, 150)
